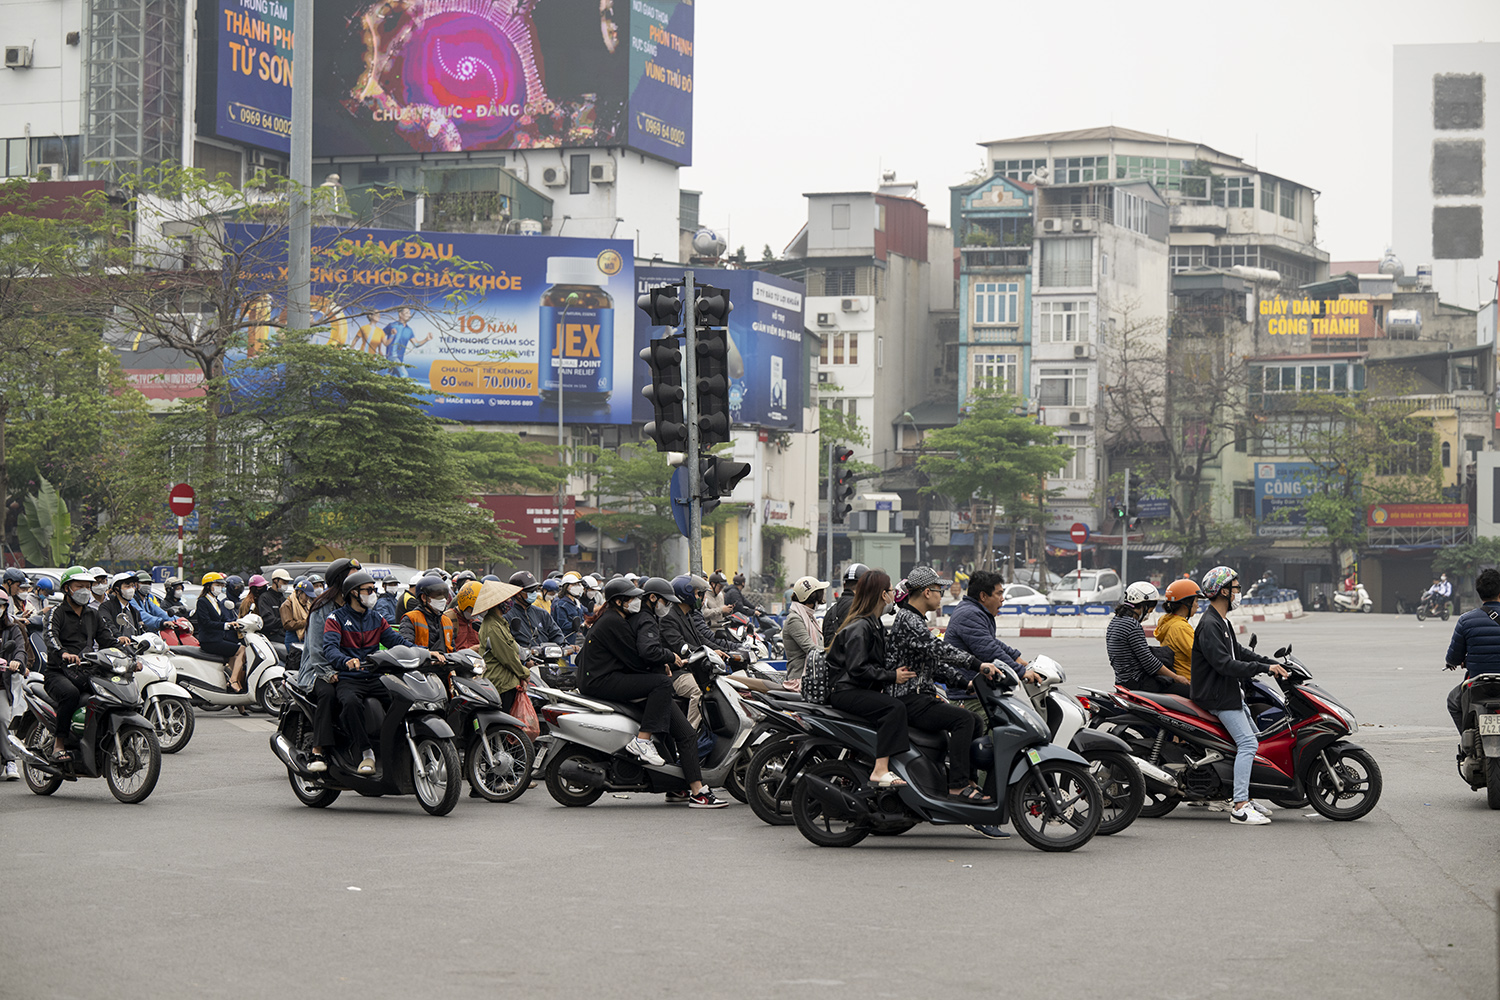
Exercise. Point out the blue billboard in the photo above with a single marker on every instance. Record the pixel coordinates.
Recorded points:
(661, 78)
(253, 82)
(1280, 488)
(765, 344)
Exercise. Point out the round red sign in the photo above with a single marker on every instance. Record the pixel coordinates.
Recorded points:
(1079, 532)
(181, 499)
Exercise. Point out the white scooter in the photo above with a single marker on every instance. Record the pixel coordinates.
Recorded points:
(204, 674)
(165, 702)
(1353, 600)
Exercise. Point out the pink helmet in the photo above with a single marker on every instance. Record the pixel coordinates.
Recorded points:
(257, 581)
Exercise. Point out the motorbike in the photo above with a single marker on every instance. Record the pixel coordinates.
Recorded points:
(115, 741)
(587, 756)
(416, 749)
(758, 635)
(496, 755)
(1118, 773)
(1305, 756)
(1046, 789)
(167, 703)
(1434, 606)
(1479, 742)
(1353, 600)
(204, 674)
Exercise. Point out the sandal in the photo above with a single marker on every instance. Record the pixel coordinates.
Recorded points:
(887, 780)
(972, 793)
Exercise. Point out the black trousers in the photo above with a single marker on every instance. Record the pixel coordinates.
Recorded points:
(1162, 685)
(886, 713)
(1456, 707)
(351, 693)
(69, 695)
(659, 715)
(325, 699)
(508, 699)
(927, 713)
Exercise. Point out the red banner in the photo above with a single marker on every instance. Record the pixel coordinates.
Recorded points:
(1417, 515)
(533, 518)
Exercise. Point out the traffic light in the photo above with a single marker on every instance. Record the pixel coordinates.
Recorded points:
(669, 429)
(840, 485)
(721, 475)
(712, 311)
(1118, 510)
(663, 305)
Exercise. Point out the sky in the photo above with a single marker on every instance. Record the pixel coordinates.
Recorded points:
(822, 95)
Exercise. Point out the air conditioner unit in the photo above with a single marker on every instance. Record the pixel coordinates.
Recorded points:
(1077, 417)
(852, 305)
(602, 172)
(827, 319)
(823, 378)
(1052, 225)
(50, 171)
(18, 57)
(1083, 350)
(555, 177)
(1083, 225)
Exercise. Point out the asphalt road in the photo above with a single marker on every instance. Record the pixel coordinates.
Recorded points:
(221, 884)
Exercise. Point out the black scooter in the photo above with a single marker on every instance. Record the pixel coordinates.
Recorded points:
(416, 748)
(1048, 790)
(1479, 759)
(497, 755)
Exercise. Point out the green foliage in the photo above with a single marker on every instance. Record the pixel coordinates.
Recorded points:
(45, 528)
(1468, 559)
(503, 461)
(634, 483)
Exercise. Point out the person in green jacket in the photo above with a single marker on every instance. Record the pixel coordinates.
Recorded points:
(502, 655)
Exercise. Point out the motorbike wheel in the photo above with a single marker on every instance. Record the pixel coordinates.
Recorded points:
(569, 794)
(132, 774)
(1158, 804)
(734, 781)
(439, 778)
(39, 782)
(1492, 782)
(807, 811)
(310, 793)
(1362, 783)
(1369, 608)
(1042, 826)
(176, 725)
(1421, 613)
(1123, 787)
(511, 773)
(270, 697)
(762, 776)
(1446, 612)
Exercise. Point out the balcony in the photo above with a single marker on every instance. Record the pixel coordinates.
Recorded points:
(1070, 210)
(1199, 216)
(977, 257)
(1463, 401)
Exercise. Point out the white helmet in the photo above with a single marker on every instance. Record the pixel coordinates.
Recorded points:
(1141, 592)
(416, 578)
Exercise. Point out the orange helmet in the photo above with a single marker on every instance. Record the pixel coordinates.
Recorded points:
(1179, 590)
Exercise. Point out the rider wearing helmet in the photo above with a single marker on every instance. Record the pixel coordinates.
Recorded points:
(72, 630)
(408, 598)
(296, 600)
(834, 616)
(16, 586)
(153, 618)
(315, 674)
(234, 588)
(548, 594)
(389, 603)
(567, 607)
(684, 626)
(531, 626)
(1136, 666)
(213, 621)
(660, 605)
(462, 619)
(715, 608)
(1220, 663)
(264, 599)
(352, 633)
(246, 602)
(44, 592)
(122, 591)
(1180, 602)
(425, 625)
(100, 588)
(734, 596)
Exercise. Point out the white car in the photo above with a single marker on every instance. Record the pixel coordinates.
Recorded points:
(1019, 593)
(1090, 586)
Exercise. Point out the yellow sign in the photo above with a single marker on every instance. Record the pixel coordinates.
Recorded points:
(1314, 317)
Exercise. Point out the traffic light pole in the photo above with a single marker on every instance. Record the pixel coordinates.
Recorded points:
(690, 383)
(1125, 534)
(831, 487)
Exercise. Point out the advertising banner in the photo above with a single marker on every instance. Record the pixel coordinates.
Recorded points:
(1279, 490)
(532, 518)
(765, 344)
(1417, 515)
(253, 71)
(447, 76)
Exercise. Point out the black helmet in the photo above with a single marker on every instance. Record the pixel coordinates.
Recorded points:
(337, 570)
(432, 586)
(437, 571)
(556, 574)
(661, 588)
(234, 584)
(619, 588)
(354, 581)
(14, 575)
(717, 578)
(462, 577)
(739, 578)
(524, 580)
(682, 586)
(317, 577)
(854, 572)
(490, 578)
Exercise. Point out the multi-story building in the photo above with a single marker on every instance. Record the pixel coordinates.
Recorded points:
(1445, 192)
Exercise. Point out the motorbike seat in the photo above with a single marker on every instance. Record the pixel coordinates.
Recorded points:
(1178, 704)
(629, 709)
(199, 653)
(933, 741)
(36, 688)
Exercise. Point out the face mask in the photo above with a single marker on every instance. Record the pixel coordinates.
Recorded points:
(318, 591)
(662, 609)
(286, 590)
(504, 606)
(101, 589)
(576, 590)
(218, 591)
(80, 596)
(368, 600)
(633, 607)
(128, 593)
(390, 592)
(439, 604)
(1234, 601)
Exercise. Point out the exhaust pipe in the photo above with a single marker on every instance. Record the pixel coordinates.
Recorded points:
(588, 775)
(835, 801)
(1157, 779)
(284, 750)
(32, 758)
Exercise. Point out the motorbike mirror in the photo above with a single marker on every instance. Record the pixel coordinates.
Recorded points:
(1282, 652)
(123, 620)
(1253, 640)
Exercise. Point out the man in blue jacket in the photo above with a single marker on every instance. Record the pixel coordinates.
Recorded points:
(1476, 641)
(971, 625)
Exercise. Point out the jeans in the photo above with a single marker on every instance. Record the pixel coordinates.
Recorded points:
(1242, 729)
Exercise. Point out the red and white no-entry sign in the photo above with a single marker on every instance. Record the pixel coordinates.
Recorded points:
(1079, 532)
(181, 499)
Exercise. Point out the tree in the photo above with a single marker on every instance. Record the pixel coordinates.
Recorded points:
(633, 483)
(501, 461)
(766, 253)
(996, 454)
(45, 529)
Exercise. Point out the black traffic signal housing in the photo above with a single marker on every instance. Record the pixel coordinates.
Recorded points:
(712, 313)
(1118, 510)
(722, 475)
(663, 305)
(840, 485)
(669, 428)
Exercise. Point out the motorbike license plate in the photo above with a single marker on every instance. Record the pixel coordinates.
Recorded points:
(1036, 758)
(1489, 725)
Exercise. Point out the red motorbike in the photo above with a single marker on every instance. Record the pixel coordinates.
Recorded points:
(1304, 757)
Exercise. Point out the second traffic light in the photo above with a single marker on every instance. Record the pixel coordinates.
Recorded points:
(722, 475)
(669, 428)
(712, 310)
(840, 485)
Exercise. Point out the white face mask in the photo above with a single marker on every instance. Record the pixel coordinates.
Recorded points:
(633, 607)
(390, 592)
(318, 591)
(218, 591)
(439, 604)
(101, 589)
(576, 590)
(662, 609)
(286, 589)
(368, 600)
(127, 593)
(80, 596)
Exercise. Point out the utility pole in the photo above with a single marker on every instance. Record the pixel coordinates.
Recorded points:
(299, 234)
(829, 561)
(690, 378)
(1125, 534)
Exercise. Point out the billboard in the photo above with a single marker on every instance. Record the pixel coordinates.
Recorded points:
(533, 519)
(252, 70)
(765, 344)
(1417, 515)
(1279, 490)
(403, 76)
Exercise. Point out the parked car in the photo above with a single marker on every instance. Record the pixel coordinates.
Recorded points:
(1040, 578)
(1090, 586)
(1020, 593)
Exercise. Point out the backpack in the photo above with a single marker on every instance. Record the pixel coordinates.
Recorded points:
(816, 684)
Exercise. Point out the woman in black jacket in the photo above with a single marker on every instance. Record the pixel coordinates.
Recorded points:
(611, 666)
(856, 665)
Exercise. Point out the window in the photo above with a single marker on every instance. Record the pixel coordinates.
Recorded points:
(996, 371)
(578, 173)
(845, 407)
(839, 281)
(1336, 377)
(1079, 169)
(1447, 455)
(995, 302)
(840, 348)
(841, 215)
(1457, 231)
(1077, 467)
(1458, 101)
(1063, 322)
(879, 352)
(1288, 200)
(1234, 192)
(1103, 264)
(1067, 262)
(1241, 439)
(1064, 387)
(1130, 212)
(1166, 174)
(1267, 195)
(1244, 503)
(1018, 170)
(1185, 258)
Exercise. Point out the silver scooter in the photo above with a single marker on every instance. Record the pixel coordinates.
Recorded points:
(204, 674)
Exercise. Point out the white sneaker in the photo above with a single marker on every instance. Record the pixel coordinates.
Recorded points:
(12, 773)
(646, 751)
(1248, 816)
(1263, 810)
(1221, 807)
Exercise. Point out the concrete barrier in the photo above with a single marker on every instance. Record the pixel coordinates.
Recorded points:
(1082, 624)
